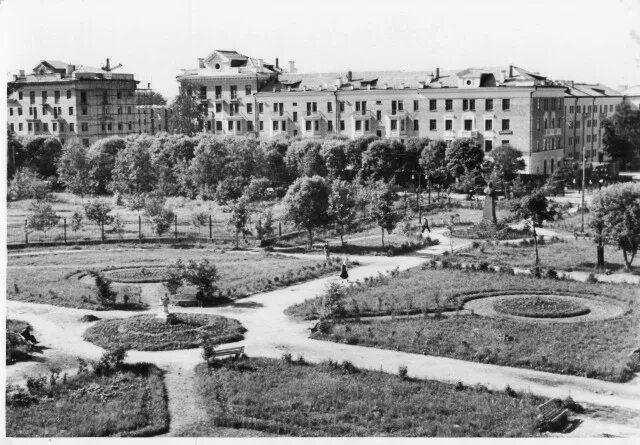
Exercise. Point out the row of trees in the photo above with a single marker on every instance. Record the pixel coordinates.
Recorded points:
(221, 167)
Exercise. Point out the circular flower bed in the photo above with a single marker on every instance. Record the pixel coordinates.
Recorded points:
(152, 274)
(153, 333)
(536, 306)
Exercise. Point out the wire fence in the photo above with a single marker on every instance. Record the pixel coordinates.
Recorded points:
(136, 229)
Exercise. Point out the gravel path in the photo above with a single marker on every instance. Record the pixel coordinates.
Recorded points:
(599, 310)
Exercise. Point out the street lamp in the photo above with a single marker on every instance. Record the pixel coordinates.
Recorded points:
(413, 177)
(584, 159)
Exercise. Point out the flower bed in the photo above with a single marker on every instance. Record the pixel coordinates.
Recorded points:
(152, 333)
(541, 307)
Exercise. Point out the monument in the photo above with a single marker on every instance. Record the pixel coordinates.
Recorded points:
(489, 210)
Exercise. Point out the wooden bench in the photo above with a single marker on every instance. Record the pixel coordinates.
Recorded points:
(228, 352)
(553, 413)
(188, 302)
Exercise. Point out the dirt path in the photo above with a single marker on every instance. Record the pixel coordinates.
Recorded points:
(271, 333)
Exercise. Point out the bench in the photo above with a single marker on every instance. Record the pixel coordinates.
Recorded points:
(228, 352)
(553, 413)
(188, 302)
(577, 234)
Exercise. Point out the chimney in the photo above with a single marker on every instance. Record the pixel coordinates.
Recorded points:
(338, 82)
(148, 85)
(21, 73)
(510, 70)
(292, 66)
(277, 63)
(200, 62)
(503, 75)
(437, 73)
(349, 75)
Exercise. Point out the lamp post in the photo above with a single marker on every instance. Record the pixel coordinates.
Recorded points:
(584, 158)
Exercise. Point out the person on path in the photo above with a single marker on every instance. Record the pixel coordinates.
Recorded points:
(425, 226)
(327, 254)
(343, 272)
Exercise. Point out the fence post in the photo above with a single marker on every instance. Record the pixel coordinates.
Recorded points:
(139, 228)
(210, 228)
(175, 225)
(26, 232)
(64, 220)
(102, 231)
(279, 229)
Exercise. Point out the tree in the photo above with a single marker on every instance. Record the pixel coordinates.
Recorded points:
(334, 156)
(134, 172)
(382, 159)
(42, 154)
(559, 179)
(98, 212)
(616, 214)
(244, 157)
(230, 189)
(199, 220)
(342, 206)
(274, 167)
(169, 154)
(433, 162)
(102, 157)
(136, 202)
(259, 189)
(27, 184)
(621, 134)
(354, 150)
(208, 164)
(470, 182)
(157, 213)
(41, 216)
(15, 154)
(76, 221)
(239, 218)
(303, 159)
(507, 163)
(74, 168)
(307, 204)
(382, 211)
(149, 97)
(535, 209)
(201, 274)
(186, 114)
(464, 155)
(264, 226)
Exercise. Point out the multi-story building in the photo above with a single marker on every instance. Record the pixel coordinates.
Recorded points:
(585, 107)
(69, 101)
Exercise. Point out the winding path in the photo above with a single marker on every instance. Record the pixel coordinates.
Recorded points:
(271, 333)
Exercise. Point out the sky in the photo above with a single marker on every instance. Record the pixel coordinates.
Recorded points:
(587, 40)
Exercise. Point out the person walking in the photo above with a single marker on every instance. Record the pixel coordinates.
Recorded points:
(327, 254)
(425, 226)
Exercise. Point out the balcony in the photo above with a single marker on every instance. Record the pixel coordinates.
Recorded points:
(449, 134)
(468, 134)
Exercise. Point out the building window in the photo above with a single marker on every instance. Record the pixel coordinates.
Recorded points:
(295, 116)
(32, 97)
(342, 125)
(316, 125)
(249, 126)
(55, 126)
(247, 90)
(588, 138)
(20, 111)
(83, 97)
(488, 125)
(448, 104)
(230, 125)
(203, 92)
(366, 125)
(275, 106)
(468, 105)
(416, 125)
(71, 127)
(109, 127)
(261, 123)
(506, 104)
(44, 111)
(10, 111)
(329, 125)
(488, 145)
(394, 125)
(84, 127)
(275, 125)
(358, 125)
(104, 128)
(218, 92)
(468, 124)
(70, 111)
(56, 96)
(505, 124)
(85, 142)
(20, 95)
(400, 105)
(218, 108)
(488, 104)
(448, 125)
(11, 128)
(433, 105)
(19, 126)
(433, 125)
(30, 126)
(341, 106)
(260, 107)
(119, 126)
(218, 125)
(68, 94)
(234, 91)
(416, 105)
(378, 115)
(402, 123)
(119, 94)
(239, 125)
(329, 107)
(249, 108)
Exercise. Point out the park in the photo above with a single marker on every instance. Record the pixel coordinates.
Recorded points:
(227, 287)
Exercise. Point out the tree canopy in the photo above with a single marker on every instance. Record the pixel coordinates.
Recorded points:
(307, 204)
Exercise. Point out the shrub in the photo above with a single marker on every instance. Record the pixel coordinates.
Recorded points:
(287, 357)
(591, 278)
(105, 294)
(551, 274)
(110, 361)
(403, 371)
(27, 184)
(259, 189)
(332, 301)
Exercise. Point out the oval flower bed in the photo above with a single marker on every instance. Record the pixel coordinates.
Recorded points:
(541, 307)
(152, 274)
(152, 333)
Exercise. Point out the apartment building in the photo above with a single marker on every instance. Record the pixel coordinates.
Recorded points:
(495, 105)
(75, 101)
(586, 106)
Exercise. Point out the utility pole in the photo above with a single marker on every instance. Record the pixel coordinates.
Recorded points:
(584, 158)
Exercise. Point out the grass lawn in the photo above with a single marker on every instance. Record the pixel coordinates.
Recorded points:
(128, 402)
(597, 349)
(329, 399)
(564, 255)
(50, 278)
(151, 333)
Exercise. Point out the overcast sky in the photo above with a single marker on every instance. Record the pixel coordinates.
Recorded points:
(593, 41)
